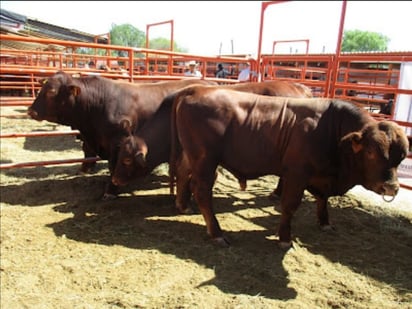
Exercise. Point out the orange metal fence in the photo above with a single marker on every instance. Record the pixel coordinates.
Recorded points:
(370, 80)
(21, 69)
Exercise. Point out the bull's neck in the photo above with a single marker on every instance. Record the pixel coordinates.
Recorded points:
(343, 118)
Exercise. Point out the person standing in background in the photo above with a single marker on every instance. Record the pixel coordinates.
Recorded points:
(221, 72)
(244, 75)
(193, 71)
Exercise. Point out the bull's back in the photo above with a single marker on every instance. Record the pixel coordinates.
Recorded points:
(246, 131)
(142, 100)
(275, 88)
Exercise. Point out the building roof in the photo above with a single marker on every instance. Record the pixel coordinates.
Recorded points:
(17, 24)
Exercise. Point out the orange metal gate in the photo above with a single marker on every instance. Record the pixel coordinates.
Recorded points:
(367, 79)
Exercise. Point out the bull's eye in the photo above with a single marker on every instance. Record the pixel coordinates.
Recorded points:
(370, 154)
(127, 161)
(51, 92)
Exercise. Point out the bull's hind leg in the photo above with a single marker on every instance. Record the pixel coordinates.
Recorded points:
(183, 188)
(202, 184)
(277, 192)
(183, 194)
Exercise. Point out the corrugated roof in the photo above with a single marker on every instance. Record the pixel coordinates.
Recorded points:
(39, 28)
(18, 24)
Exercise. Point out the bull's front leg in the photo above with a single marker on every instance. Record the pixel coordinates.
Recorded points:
(322, 213)
(111, 190)
(292, 193)
(87, 167)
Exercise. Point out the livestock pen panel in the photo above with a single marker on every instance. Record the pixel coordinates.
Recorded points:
(372, 81)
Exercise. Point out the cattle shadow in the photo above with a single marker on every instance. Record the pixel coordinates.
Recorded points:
(367, 243)
(52, 191)
(52, 143)
(238, 269)
(376, 244)
(65, 171)
(68, 190)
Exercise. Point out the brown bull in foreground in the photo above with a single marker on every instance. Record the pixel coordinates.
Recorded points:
(96, 105)
(141, 151)
(325, 146)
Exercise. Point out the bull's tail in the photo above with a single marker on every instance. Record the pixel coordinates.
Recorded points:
(176, 148)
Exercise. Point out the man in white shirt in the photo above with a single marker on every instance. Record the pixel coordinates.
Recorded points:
(244, 75)
(193, 71)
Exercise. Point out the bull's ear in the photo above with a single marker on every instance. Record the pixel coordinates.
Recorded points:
(141, 159)
(352, 141)
(126, 125)
(74, 90)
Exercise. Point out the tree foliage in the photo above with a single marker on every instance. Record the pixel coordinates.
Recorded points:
(128, 35)
(358, 40)
(164, 44)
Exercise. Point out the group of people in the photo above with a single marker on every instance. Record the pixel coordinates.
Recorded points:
(221, 72)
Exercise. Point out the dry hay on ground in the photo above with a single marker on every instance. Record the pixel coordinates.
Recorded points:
(61, 247)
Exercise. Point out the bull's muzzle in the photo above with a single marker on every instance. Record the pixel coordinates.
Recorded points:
(32, 113)
(389, 191)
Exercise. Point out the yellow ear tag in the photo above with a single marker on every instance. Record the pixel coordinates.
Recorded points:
(45, 81)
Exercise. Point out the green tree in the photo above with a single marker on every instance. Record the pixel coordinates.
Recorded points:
(358, 40)
(128, 35)
(164, 44)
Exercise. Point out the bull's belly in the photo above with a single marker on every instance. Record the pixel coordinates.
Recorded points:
(251, 168)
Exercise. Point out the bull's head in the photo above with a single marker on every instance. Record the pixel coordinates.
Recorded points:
(377, 151)
(56, 97)
(131, 160)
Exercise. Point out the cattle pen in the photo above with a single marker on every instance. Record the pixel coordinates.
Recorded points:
(63, 246)
(376, 81)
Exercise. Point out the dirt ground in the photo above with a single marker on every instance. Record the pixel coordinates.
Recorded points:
(62, 247)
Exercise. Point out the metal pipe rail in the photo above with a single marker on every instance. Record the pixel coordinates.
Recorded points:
(325, 74)
(144, 56)
(40, 134)
(50, 162)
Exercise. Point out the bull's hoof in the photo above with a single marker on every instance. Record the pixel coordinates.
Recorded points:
(84, 170)
(274, 197)
(221, 242)
(285, 245)
(109, 197)
(185, 211)
(327, 227)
